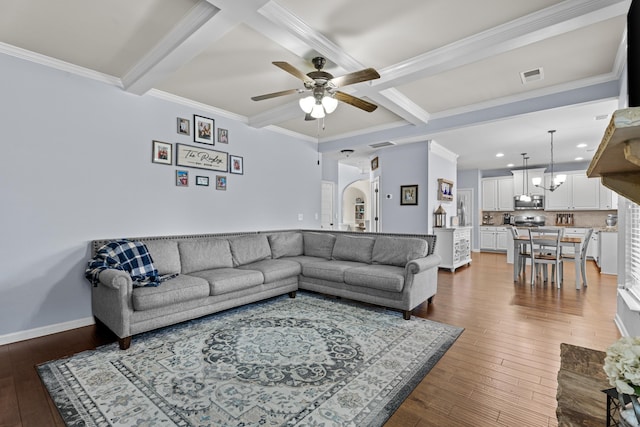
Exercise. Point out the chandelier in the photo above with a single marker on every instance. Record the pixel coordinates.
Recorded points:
(319, 104)
(556, 181)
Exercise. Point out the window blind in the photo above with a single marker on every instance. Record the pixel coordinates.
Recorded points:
(632, 252)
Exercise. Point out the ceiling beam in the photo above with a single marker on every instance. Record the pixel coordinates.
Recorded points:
(553, 21)
(205, 23)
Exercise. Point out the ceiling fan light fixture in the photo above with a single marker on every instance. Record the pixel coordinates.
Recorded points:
(329, 103)
(317, 112)
(536, 181)
(307, 103)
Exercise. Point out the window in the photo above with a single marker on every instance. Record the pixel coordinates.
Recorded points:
(632, 250)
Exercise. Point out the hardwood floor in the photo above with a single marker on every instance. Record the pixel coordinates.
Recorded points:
(500, 372)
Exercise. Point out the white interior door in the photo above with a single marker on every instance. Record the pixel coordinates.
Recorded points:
(375, 206)
(326, 205)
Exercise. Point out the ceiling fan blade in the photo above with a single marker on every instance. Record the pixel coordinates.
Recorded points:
(356, 102)
(308, 117)
(293, 71)
(355, 77)
(276, 94)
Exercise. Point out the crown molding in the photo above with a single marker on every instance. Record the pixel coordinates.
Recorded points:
(196, 105)
(58, 64)
(438, 149)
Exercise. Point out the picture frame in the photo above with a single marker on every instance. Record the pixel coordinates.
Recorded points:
(184, 126)
(408, 195)
(445, 189)
(201, 158)
(162, 152)
(374, 163)
(223, 136)
(202, 180)
(236, 165)
(221, 182)
(182, 178)
(203, 129)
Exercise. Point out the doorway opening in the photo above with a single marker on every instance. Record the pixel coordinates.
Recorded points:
(356, 206)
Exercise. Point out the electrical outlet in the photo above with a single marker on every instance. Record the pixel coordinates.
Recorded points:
(300, 217)
(316, 216)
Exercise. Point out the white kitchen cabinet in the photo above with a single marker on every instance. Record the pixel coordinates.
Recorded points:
(608, 199)
(497, 194)
(453, 245)
(519, 182)
(578, 192)
(493, 238)
(608, 252)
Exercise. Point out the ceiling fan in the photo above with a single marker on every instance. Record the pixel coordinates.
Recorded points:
(323, 87)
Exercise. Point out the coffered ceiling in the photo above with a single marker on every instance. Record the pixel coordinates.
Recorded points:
(450, 69)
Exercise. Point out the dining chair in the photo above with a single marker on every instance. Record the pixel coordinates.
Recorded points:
(520, 252)
(545, 249)
(581, 257)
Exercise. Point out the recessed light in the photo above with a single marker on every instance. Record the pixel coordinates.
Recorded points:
(579, 158)
(500, 155)
(510, 165)
(583, 145)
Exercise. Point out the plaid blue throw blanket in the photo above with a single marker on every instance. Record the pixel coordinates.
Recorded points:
(126, 255)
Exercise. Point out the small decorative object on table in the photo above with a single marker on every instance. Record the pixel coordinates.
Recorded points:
(622, 366)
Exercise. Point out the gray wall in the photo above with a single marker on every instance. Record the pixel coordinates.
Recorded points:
(471, 178)
(404, 165)
(77, 166)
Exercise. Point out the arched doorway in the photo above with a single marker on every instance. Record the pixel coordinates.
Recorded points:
(356, 206)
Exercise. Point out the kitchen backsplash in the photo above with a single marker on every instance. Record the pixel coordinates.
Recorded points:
(580, 218)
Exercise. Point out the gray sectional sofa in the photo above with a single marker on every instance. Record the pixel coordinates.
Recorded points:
(220, 271)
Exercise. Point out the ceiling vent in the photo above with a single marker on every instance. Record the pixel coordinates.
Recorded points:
(532, 75)
(381, 144)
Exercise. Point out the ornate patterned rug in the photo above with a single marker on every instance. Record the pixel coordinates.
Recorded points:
(308, 361)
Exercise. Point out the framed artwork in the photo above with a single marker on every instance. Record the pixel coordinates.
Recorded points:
(182, 178)
(445, 189)
(162, 152)
(223, 136)
(203, 129)
(408, 195)
(184, 126)
(221, 182)
(237, 165)
(201, 158)
(374, 163)
(202, 180)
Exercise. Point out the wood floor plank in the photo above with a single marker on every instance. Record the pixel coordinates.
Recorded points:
(502, 370)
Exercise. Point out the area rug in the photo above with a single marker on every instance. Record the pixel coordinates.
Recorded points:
(308, 361)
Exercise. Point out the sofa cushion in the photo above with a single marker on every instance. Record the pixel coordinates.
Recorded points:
(286, 244)
(248, 249)
(398, 250)
(353, 248)
(318, 244)
(303, 259)
(329, 270)
(165, 254)
(179, 289)
(206, 254)
(225, 280)
(383, 277)
(274, 269)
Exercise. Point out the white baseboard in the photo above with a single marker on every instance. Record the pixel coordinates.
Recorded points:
(45, 330)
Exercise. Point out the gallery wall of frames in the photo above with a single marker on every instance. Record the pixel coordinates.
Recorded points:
(199, 154)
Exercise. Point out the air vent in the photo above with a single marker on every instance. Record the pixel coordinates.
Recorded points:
(532, 75)
(381, 144)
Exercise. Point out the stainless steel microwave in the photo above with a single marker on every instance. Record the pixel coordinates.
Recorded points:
(535, 202)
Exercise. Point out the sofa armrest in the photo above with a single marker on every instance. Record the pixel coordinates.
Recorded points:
(422, 264)
(115, 279)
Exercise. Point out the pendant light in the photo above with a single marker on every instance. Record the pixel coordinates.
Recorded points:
(556, 181)
(525, 197)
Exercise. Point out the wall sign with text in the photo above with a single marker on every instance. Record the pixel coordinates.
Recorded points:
(202, 158)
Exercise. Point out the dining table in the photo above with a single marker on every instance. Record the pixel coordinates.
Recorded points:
(570, 241)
